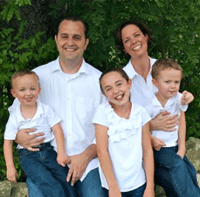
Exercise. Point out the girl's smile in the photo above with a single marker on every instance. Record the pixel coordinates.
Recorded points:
(116, 88)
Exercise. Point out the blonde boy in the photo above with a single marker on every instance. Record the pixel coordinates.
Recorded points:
(169, 147)
(40, 166)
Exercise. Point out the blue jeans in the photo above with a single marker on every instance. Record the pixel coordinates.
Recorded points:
(176, 175)
(89, 187)
(134, 193)
(43, 170)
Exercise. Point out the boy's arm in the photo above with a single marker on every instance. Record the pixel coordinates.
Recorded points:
(8, 155)
(148, 160)
(62, 158)
(186, 98)
(181, 135)
(104, 159)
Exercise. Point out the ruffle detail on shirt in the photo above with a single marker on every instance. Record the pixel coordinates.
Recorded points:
(121, 128)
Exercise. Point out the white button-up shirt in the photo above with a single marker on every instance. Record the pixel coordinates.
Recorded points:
(75, 99)
(173, 106)
(141, 91)
(43, 120)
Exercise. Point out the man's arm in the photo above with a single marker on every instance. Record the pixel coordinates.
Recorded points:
(80, 162)
(29, 141)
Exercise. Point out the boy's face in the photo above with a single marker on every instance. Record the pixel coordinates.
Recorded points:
(26, 88)
(168, 83)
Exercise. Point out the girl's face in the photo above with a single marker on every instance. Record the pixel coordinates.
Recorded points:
(116, 88)
(168, 83)
(134, 41)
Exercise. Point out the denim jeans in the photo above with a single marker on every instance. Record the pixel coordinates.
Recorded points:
(177, 176)
(134, 193)
(43, 170)
(89, 187)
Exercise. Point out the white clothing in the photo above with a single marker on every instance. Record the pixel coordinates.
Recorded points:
(124, 145)
(75, 98)
(43, 120)
(141, 91)
(173, 106)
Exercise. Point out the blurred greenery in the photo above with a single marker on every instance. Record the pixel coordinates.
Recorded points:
(27, 30)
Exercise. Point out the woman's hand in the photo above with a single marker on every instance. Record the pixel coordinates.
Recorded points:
(164, 122)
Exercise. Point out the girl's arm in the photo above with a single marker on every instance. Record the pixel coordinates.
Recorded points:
(8, 155)
(62, 157)
(181, 135)
(148, 160)
(104, 159)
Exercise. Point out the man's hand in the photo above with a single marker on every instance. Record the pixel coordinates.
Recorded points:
(163, 122)
(77, 167)
(29, 141)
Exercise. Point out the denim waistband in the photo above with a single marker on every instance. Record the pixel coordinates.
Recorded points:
(43, 145)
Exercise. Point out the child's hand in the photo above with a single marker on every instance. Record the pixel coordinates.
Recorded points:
(181, 152)
(149, 192)
(12, 174)
(186, 98)
(114, 192)
(157, 143)
(63, 160)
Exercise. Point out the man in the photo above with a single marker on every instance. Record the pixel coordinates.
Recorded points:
(70, 86)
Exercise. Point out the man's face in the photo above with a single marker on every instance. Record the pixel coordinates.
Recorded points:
(71, 41)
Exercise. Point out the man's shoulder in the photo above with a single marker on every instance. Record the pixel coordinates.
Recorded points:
(92, 69)
(45, 67)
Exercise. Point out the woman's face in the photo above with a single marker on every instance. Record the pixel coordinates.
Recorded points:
(134, 41)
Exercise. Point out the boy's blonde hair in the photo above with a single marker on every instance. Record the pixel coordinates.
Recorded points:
(163, 64)
(21, 74)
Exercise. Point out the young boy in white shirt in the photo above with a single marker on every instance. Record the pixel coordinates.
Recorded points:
(43, 167)
(169, 147)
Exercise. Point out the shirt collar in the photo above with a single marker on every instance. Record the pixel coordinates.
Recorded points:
(131, 71)
(83, 69)
(39, 111)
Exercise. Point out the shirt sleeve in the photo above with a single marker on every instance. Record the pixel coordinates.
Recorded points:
(100, 116)
(11, 129)
(182, 107)
(52, 117)
(145, 116)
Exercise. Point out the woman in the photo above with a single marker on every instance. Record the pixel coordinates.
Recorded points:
(132, 39)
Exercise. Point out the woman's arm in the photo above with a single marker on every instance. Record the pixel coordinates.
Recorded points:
(104, 159)
(181, 135)
(148, 160)
(164, 122)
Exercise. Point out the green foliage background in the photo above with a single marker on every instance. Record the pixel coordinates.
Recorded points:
(175, 26)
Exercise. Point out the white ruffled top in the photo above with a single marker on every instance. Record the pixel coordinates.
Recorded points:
(124, 145)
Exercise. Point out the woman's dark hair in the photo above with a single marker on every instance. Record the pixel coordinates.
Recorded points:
(118, 37)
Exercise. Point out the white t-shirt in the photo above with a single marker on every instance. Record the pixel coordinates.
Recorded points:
(173, 106)
(124, 145)
(43, 120)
